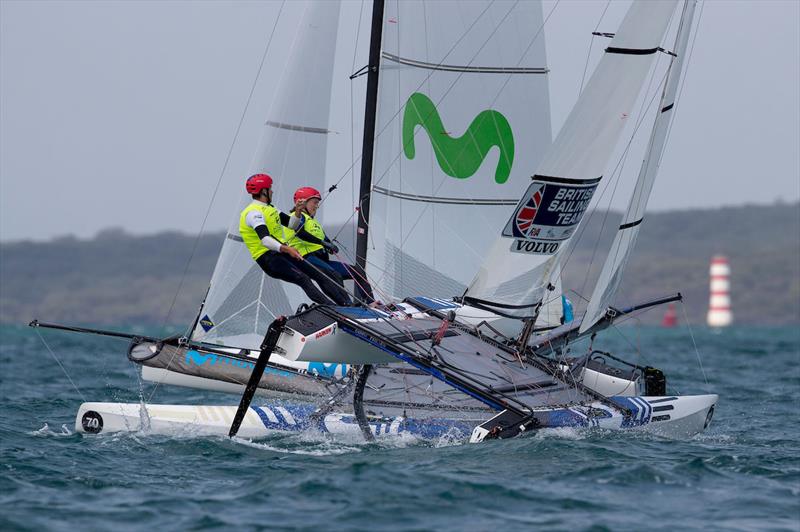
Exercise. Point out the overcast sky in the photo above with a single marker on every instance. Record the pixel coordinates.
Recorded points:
(122, 113)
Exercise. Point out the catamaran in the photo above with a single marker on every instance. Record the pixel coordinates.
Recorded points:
(485, 351)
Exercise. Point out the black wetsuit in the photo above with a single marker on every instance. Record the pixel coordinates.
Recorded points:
(283, 267)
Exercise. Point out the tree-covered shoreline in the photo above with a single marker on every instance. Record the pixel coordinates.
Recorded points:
(120, 278)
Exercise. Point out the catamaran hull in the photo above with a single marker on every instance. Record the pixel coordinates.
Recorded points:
(671, 417)
(287, 382)
(259, 422)
(228, 372)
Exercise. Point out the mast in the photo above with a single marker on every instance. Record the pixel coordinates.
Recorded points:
(369, 132)
(365, 188)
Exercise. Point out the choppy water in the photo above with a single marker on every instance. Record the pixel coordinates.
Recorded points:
(742, 474)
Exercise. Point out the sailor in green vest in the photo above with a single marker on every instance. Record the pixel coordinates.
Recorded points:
(266, 232)
(312, 243)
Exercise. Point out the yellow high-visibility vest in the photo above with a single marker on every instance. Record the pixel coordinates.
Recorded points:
(272, 219)
(314, 228)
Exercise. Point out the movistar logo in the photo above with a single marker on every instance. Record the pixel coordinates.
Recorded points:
(326, 370)
(201, 359)
(461, 156)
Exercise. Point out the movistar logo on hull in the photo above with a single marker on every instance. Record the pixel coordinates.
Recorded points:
(201, 359)
(461, 156)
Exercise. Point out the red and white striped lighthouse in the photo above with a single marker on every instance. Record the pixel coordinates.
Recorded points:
(719, 306)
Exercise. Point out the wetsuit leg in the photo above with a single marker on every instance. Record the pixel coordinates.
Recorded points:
(285, 269)
(324, 279)
(326, 267)
(357, 274)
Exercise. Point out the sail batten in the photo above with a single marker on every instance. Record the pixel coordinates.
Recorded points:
(619, 254)
(440, 199)
(296, 127)
(465, 68)
(527, 255)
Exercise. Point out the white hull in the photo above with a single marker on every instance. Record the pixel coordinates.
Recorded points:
(671, 417)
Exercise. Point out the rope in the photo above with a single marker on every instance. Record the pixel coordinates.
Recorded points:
(694, 343)
(639, 353)
(219, 181)
(354, 275)
(351, 170)
(438, 102)
(60, 364)
(407, 333)
(640, 199)
(224, 168)
(614, 178)
(591, 43)
(424, 81)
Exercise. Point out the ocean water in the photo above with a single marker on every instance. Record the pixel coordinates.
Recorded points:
(743, 473)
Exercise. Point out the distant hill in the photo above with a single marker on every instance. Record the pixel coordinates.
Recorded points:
(117, 278)
(673, 252)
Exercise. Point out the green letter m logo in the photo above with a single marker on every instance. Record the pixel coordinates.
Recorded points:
(460, 157)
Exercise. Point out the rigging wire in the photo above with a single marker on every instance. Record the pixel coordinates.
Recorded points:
(444, 95)
(638, 351)
(60, 364)
(219, 182)
(424, 81)
(591, 43)
(694, 343)
(447, 91)
(617, 176)
(614, 177)
(352, 121)
(616, 180)
(672, 122)
(442, 180)
(392, 118)
(224, 167)
(686, 72)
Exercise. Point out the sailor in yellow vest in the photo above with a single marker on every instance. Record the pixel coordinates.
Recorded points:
(312, 243)
(266, 232)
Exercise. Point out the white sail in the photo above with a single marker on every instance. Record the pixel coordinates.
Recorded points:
(242, 301)
(552, 312)
(611, 275)
(522, 261)
(463, 114)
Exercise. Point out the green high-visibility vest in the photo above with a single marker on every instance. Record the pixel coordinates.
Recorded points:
(272, 219)
(314, 228)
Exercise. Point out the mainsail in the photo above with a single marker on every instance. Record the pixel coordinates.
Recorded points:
(242, 301)
(463, 114)
(522, 262)
(611, 275)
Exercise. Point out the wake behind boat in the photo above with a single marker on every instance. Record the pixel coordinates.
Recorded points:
(495, 362)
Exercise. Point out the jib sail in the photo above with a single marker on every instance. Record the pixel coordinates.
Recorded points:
(523, 260)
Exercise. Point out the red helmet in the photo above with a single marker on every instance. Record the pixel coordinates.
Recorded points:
(306, 193)
(258, 182)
